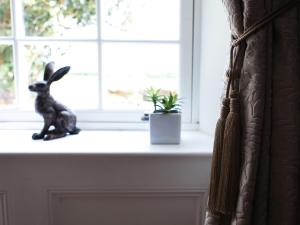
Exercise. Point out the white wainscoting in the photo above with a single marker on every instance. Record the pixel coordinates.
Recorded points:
(132, 207)
(103, 189)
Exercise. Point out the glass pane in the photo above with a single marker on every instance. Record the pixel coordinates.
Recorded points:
(79, 88)
(7, 79)
(140, 19)
(69, 18)
(5, 18)
(129, 69)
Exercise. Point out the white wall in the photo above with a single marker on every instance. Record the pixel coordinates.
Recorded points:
(214, 44)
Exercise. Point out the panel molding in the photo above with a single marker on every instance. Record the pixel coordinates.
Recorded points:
(3, 208)
(199, 195)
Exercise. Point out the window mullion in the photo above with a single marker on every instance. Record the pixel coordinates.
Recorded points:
(141, 41)
(99, 45)
(47, 39)
(196, 61)
(19, 35)
(15, 27)
(186, 57)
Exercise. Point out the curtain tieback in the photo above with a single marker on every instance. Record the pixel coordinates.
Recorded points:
(225, 169)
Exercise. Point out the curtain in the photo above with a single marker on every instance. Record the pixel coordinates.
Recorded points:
(269, 190)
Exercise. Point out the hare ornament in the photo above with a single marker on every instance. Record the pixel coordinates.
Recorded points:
(54, 113)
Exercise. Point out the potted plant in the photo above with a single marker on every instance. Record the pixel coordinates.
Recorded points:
(165, 120)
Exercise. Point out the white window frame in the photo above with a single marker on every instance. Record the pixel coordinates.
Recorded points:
(189, 74)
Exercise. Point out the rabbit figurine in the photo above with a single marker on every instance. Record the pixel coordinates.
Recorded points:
(54, 113)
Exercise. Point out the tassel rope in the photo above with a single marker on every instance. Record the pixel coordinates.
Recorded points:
(229, 168)
(229, 174)
(229, 163)
(218, 145)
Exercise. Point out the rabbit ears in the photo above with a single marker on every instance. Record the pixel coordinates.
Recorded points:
(49, 74)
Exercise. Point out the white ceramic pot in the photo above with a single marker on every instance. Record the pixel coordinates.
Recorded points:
(165, 128)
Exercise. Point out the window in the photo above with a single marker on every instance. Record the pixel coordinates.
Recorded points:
(116, 49)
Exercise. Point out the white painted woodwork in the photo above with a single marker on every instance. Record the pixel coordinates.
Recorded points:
(98, 188)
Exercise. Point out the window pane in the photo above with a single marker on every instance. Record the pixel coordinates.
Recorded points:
(79, 88)
(140, 19)
(5, 18)
(129, 69)
(7, 79)
(69, 18)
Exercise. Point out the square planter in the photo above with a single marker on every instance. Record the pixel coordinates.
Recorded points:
(165, 128)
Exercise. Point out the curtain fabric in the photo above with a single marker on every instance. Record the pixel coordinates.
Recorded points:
(269, 191)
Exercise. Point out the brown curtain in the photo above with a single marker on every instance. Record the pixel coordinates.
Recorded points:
(269, 190)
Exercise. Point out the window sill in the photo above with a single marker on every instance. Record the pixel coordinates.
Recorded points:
(104, 142)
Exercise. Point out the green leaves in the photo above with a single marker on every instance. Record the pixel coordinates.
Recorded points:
(5, 18)
(47, 18)
(163, 103)
(6, 75)
(154, 96)
(169, 103)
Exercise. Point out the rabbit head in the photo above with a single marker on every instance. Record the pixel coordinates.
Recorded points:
(49, 77)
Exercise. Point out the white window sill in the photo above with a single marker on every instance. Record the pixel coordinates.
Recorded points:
(104, 142)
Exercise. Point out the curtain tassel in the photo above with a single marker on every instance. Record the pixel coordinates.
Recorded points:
(230, 164)
(217, 156)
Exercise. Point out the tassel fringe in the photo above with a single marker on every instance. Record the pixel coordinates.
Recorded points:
(230, 165)
(217, 157)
